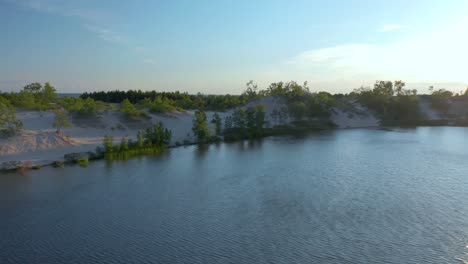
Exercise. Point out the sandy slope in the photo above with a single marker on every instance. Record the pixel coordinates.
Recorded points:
(427, 111)
(353, 115)
(39, 141)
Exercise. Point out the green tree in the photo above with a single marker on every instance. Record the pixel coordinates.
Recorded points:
(440, 99)
(26, 100)
(200, 128)
(227, 123)
(398, 86)
(239, 118)
(47, 96)
(108, 142)
(251, 91)
(218, 123)
(255, 120)
(8, 122)
(61, 120)
(250, 121)
(259, 119)
(128, 108)
(157, 135)
(298, 110)
(34, 88)
(140, 140)
(124, 144)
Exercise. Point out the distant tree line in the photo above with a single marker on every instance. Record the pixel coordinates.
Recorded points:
(171, 99)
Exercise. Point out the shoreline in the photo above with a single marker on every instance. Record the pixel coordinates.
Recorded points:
(91, 156)
(27, 164)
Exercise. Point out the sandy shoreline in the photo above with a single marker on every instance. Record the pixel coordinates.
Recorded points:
(39, 143)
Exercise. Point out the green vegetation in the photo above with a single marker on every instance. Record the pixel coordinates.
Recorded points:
(130, 110)
(395, 105)
(247, 123)
(83, 162)
(440, 99)
(34, 96)
(82, 107)
(171, 100)
(150, 141)
(218, 123)
(58, 164)
(200, 128)
(301, 103)
(157, 136)
(8, 122)
(61, 120)
(159, 104)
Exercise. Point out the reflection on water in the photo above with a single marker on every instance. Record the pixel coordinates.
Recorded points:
(350, 196)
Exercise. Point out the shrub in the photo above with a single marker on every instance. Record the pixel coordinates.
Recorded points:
(58, 164)
(83, 162)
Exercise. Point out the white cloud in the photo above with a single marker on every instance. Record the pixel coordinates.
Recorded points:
(438, 56)
(92, 20)
(391, 27)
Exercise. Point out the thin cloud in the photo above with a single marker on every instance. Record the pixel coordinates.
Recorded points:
(107, 35)
(63, 9)
(391, 27)
(91, 19)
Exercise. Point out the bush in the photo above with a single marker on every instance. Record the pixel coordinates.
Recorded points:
(8, 123)
(58, 164)
(83, 162)
(130, 110)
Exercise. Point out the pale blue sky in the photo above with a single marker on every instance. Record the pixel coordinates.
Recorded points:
(217, 46)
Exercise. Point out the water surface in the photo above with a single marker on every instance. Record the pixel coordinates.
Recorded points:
(350, 196)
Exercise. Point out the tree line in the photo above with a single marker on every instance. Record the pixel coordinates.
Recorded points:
(170, 99)
(394, 104)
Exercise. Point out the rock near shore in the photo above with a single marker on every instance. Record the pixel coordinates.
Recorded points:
(74, 157)
(10, 165)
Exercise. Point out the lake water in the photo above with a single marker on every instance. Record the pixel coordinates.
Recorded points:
(349, 196)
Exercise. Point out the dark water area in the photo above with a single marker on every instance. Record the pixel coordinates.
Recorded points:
(349, 196)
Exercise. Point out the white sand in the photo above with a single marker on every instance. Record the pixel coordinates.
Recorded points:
(39, 141)
(354, 115)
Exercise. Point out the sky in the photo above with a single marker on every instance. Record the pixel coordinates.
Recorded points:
(217, 46)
